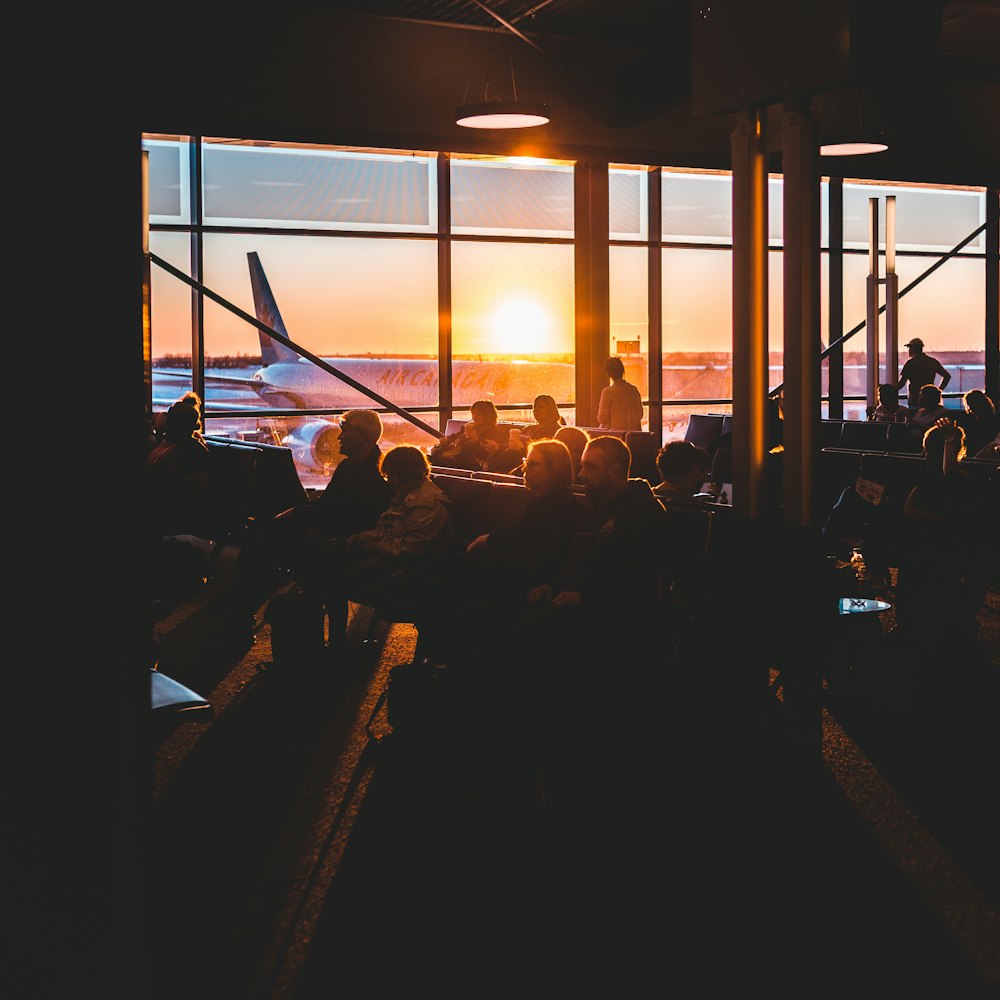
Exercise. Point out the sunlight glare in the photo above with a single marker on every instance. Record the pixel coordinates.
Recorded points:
(521, 325)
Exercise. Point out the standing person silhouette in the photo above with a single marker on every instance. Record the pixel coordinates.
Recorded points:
(920, 370)
(620, 405)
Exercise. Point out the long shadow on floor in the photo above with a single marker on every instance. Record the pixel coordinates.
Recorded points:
(458, 879)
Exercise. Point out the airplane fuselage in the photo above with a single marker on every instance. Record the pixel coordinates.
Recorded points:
(410, 382)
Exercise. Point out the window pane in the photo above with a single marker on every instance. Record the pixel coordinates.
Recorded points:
(926, 218)
(169, 194)
(511, 197)
(629, 281)
(170, 319)
(332, 298)
(948, 312)
(697, 208)
(697, 301)
(627, 203)
(512, 306)
(775, 211)
(697, 325)
(292, 187)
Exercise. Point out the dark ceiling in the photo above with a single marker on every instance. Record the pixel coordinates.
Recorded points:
(968, 39)
(626, 22)
(647, 81)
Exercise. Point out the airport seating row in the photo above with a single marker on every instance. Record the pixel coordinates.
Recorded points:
(690, 549)
(897, 473)
(704, 430)
(870, 435)
(642, 444)
(247, 482)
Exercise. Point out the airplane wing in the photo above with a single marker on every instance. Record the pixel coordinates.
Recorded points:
(221, 381)
(222, 392)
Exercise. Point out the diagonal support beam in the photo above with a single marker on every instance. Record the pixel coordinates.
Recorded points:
(510, 27)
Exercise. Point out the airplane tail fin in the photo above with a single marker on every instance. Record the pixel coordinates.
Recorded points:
(271, 351)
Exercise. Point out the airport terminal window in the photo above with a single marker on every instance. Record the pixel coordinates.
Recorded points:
(947, 311)
(170, 319)
(931, 219)
(318, 188)
(366, 249)
(513, 303)
(511, 197)
(628, 295)
(628, 203)
(338, 296)
(169, 192)
(698, 207)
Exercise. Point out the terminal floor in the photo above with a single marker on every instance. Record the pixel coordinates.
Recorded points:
(296, 858)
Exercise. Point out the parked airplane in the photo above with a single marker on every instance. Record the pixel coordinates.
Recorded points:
(286, 380)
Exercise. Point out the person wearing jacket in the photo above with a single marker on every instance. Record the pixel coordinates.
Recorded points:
(589, 635)
(414, 528)
(475, 444)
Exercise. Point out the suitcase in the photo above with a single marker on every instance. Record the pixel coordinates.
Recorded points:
(297, 630)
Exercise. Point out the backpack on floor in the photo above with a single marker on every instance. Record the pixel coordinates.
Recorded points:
(416, 701)
(297, 630)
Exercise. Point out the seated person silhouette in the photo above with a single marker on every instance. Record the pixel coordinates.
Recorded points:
(575, 438)
(472, 446)
(548, 420)
(951, 537)
(683, 468)
(889, 408)
(587, 636)
(178, 473)
(979, 420)
(352, 501)
(487, 588)
(379, 562)
(930, 410)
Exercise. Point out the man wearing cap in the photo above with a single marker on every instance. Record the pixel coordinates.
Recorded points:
(919, 371)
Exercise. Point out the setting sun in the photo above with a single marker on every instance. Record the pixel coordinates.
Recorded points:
(521, 324)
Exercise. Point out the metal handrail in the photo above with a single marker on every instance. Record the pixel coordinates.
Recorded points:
(301, 351)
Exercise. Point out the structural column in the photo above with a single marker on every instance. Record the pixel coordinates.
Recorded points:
(992, 383)
(811, 608)
(800, 166)
(445, 367)
(749, 164)
(835, 325)
(592, 301)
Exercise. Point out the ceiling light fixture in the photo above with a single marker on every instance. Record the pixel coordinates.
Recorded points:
(851, 147)
(857, 142)
(494, 111)
(502, 114)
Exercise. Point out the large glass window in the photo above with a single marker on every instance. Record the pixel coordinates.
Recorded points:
(293, 186)
(170, 319)
(628, 203)
(628, 292)
(512, 302)
(169, 189)
(511, 196)
(349, 246)
(932, 219)
(512, 306)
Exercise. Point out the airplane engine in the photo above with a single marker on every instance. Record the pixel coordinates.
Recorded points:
(315, 444)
